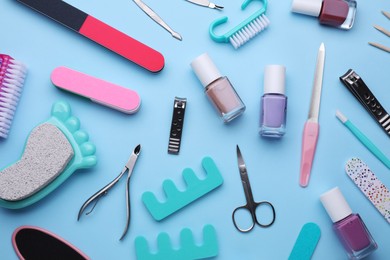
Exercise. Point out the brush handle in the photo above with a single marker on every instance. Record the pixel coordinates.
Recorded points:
(368, 143)
(309, 144)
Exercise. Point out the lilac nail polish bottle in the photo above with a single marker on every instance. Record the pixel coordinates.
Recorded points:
(273, 105)
(349, 227)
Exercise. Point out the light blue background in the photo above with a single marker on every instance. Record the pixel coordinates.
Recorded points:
(273, 166)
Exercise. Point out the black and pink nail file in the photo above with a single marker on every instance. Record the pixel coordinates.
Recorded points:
(99, 32)
(36, 243)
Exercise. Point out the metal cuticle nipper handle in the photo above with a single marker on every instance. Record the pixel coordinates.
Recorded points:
(103, 191)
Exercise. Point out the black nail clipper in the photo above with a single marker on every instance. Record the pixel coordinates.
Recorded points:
(179, 107)
(359, 89)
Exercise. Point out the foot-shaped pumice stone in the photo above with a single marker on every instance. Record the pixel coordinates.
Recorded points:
(52, 147)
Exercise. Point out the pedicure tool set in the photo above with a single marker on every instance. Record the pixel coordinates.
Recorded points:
(56, 148)
(103, 191)
(363, 94)
(312, 127)
(12, 75)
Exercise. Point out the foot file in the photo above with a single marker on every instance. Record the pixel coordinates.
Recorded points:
(99, 32)
(36, 243)
(188, 248)
(306, 242)
(53, 151)
(176, 199)
(99, 91)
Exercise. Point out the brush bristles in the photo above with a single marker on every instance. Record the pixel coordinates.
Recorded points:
(341, 117)
(249, 31)
(12, 75)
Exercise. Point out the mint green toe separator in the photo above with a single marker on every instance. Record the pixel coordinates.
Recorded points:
(176, 199)
(188, 248)
(79, 160)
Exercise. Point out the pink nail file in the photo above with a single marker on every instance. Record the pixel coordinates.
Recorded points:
(99, 91)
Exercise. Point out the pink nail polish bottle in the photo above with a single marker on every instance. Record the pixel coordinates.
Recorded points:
(336, 13)
(348, 226)
(218, 89)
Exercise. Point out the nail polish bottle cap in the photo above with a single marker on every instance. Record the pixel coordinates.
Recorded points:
(335, 204)
(205, 69)
(308, 7)
(274, 79)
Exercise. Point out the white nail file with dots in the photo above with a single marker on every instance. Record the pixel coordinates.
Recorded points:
(370, 185)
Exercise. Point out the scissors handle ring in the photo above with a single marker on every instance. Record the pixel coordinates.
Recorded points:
(253, 217)
(273, 214)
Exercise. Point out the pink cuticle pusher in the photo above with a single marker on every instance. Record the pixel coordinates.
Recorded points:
(311, 129)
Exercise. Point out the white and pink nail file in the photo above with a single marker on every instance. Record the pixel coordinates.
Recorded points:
(370, 185)
(98, 90)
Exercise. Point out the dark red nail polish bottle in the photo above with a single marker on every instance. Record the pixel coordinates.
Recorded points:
(336, 13)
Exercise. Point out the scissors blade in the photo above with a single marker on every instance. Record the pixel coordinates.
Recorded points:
(241, 163)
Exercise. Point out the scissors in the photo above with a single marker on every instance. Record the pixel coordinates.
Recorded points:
(250, 205)
(95, 197)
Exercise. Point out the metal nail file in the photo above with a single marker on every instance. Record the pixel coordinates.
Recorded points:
(363, 94)
(311, 129)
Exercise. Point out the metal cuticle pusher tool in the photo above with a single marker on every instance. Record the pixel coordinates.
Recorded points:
(157, 18)
(206, 3)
